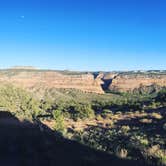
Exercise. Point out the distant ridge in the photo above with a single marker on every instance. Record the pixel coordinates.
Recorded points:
(30, 78)
(24, 67)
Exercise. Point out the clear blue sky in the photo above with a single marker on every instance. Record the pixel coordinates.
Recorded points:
(83, 34)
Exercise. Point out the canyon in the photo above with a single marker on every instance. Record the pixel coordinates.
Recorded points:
(99, 82)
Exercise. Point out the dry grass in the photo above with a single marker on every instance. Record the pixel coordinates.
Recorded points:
(146, 121)
(157, 153)
(156, 115)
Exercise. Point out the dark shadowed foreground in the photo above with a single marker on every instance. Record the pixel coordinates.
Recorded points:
(24, 144)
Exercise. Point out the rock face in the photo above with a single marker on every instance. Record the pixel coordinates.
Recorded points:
(127, 82)
(30, 78)
(50, 79)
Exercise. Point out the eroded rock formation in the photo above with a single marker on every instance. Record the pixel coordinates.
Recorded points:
(30, 78)
(51, 79)
(129, 82)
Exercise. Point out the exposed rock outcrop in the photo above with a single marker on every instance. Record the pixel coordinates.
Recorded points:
(99, 82)
(129, 82)
(51, 79)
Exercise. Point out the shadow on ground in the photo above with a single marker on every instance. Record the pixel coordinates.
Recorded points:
(155, 127)
(24, 144)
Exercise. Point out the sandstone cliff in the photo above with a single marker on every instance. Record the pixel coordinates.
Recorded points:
(86, 82)
(129, 82)
(50, 79)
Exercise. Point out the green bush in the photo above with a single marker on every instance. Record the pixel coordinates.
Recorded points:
(161, 96)
(59, 121)
(81, 111)
(19, 102)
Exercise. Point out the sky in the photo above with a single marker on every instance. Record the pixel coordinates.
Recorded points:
(96, 35)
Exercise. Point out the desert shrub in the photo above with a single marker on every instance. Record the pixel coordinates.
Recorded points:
(19, 102)
(161, 96)
(81, 111)
(59, 121)
(144, 141)
(106, 113)
(125, 129)
(121, 152)
(153, 105)
(46, 104)
(156, 155)
(99, 105)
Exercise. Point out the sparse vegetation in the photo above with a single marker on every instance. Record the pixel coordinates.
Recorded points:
(19, 102)
(126, 125)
